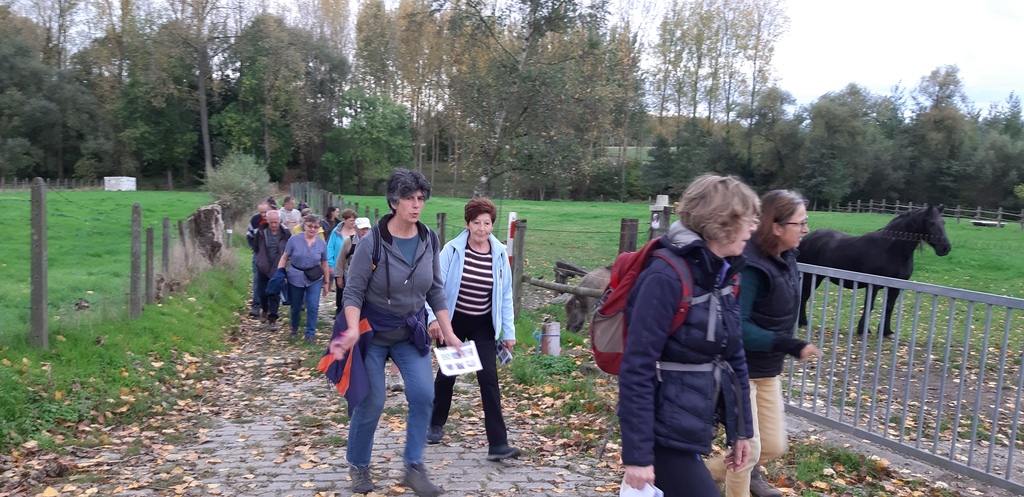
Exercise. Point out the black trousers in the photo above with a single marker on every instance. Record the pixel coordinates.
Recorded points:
(272, 302)
(682, 474)
(480, 330)
(339, 292)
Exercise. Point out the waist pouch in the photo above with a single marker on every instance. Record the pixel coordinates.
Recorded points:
(312, 273)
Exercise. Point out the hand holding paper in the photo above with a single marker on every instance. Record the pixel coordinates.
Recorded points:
(452, 363)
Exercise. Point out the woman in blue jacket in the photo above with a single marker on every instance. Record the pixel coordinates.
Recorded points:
(676, 386)
(478, 285)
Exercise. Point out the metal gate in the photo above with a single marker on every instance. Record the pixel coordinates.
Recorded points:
(944, 388)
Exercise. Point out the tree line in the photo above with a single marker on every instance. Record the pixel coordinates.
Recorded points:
(528, 98)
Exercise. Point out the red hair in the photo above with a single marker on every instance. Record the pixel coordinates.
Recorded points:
(479, 206)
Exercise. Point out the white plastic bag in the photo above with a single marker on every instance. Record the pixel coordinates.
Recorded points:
(648, 491)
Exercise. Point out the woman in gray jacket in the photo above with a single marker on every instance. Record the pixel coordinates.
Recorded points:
(394, 270)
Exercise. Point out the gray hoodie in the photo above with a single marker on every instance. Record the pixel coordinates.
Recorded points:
(395, 286)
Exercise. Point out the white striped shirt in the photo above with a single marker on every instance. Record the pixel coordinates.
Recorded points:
(477, 283)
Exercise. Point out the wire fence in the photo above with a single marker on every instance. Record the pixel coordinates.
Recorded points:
(976, 215)
(24, 184)
(160, 257)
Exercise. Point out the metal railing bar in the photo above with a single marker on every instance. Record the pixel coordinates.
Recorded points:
(1000, 377)
(910, 366)
(963, 379)
(942, 379)
(927, 372)
(981, 384)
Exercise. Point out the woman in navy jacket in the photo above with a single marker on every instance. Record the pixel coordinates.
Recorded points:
(676, 386)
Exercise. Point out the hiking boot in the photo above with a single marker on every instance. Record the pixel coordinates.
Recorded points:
(294, 333)
(416, 479)
(502, 452)
(255, 312)
(361, 480)
(310, 340)
(263, 316)
(272, 324)
(761, 488)
(435, 434)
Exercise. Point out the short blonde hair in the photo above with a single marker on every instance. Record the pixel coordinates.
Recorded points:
(718, 207)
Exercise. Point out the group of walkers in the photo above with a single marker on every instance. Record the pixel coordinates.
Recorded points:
(402, 291)
(294, 256)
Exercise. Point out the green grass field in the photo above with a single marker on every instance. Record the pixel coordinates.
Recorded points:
(88, 249)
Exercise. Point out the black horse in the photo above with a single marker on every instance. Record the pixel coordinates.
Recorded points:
(886, 252)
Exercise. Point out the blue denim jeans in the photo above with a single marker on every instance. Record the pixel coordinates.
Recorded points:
(311, 294)
(417, 371)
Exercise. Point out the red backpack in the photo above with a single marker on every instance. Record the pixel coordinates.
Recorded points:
(608, 328)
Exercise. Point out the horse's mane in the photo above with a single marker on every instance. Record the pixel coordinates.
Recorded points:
(903, 217)
(898, 228)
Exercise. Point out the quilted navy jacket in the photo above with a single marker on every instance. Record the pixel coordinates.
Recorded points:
(682, 410)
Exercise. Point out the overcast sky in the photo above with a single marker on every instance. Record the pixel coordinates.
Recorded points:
(879, 43)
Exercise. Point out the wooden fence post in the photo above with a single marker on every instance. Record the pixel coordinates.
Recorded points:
(999, 216)
(442, 225)
(367, 215)
(858, 207)
(957, 215)
(135, 284)
(1021, 219)
(518, 248)
(184, 241)
(376, 216)
(40, 318)
(149, 266)
(977, 214)
(627, 234)
(165, 249)
(356, 208)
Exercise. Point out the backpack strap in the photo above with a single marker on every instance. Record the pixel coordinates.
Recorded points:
(352, 248)
(377, 250)
(686, 278)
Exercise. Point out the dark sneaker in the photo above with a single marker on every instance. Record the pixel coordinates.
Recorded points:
(435, 434)
(502, 452)
(263, 316)
(759, 487)
(272, 324)
(361, 480)
(255, 312)
(310, 340)
(294, 333)
(416, 479)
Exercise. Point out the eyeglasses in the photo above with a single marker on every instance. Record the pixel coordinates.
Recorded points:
(312, 226)
(801, 224)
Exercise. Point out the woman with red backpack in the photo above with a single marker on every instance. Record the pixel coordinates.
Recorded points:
(677, 385)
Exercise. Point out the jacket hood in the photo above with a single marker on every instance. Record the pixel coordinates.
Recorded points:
(683, 240)
(680, 236)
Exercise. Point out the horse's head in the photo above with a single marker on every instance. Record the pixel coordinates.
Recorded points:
(934, 229)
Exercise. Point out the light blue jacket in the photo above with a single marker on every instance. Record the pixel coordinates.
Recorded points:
(334, 245)
(453, 256)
